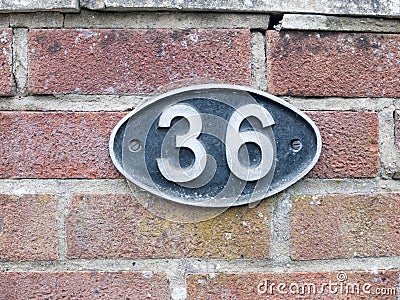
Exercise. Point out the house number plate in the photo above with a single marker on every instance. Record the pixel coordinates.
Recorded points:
(215, 145)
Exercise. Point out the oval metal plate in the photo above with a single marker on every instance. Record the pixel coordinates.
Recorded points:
(215, 145)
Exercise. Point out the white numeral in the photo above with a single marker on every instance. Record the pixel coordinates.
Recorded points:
(235, 139)
(189, 140)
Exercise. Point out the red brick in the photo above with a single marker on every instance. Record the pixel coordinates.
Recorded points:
(75, 145)
(83, 285)
(340, 225)
(28, 228)
(349, 144)
(56, 145)
(124, 61)
(253, 286)
(117, 226)
(6, 77)
(333, 64)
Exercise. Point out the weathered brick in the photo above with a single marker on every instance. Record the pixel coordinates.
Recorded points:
(75, 145)
(117, 226)
(83, 285)
(302, 285)
(333, 64)
(6, 77)
(124, 61)
(340, 225)
(349, 144)
(27, 228)
(56, 145)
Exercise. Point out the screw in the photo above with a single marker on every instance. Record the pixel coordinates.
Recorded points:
(134, 146)
(296, 145)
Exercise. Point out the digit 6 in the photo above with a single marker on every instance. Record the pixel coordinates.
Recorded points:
(235, 139)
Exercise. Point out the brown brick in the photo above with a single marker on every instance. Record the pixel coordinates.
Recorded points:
(6, 77)
(28, 228)
(117, 226)
(333, 64)
(56, 145)
(336, 226)
(122, 61)
(349, 144)
(83, 285)
(286, 286)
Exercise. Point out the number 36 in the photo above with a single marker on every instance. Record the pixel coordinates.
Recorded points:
(234, 140)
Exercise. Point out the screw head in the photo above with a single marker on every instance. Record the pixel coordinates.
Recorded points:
(134, 145)
(296, 145)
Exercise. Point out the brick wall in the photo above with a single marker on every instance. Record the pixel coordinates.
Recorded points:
(70, 227)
